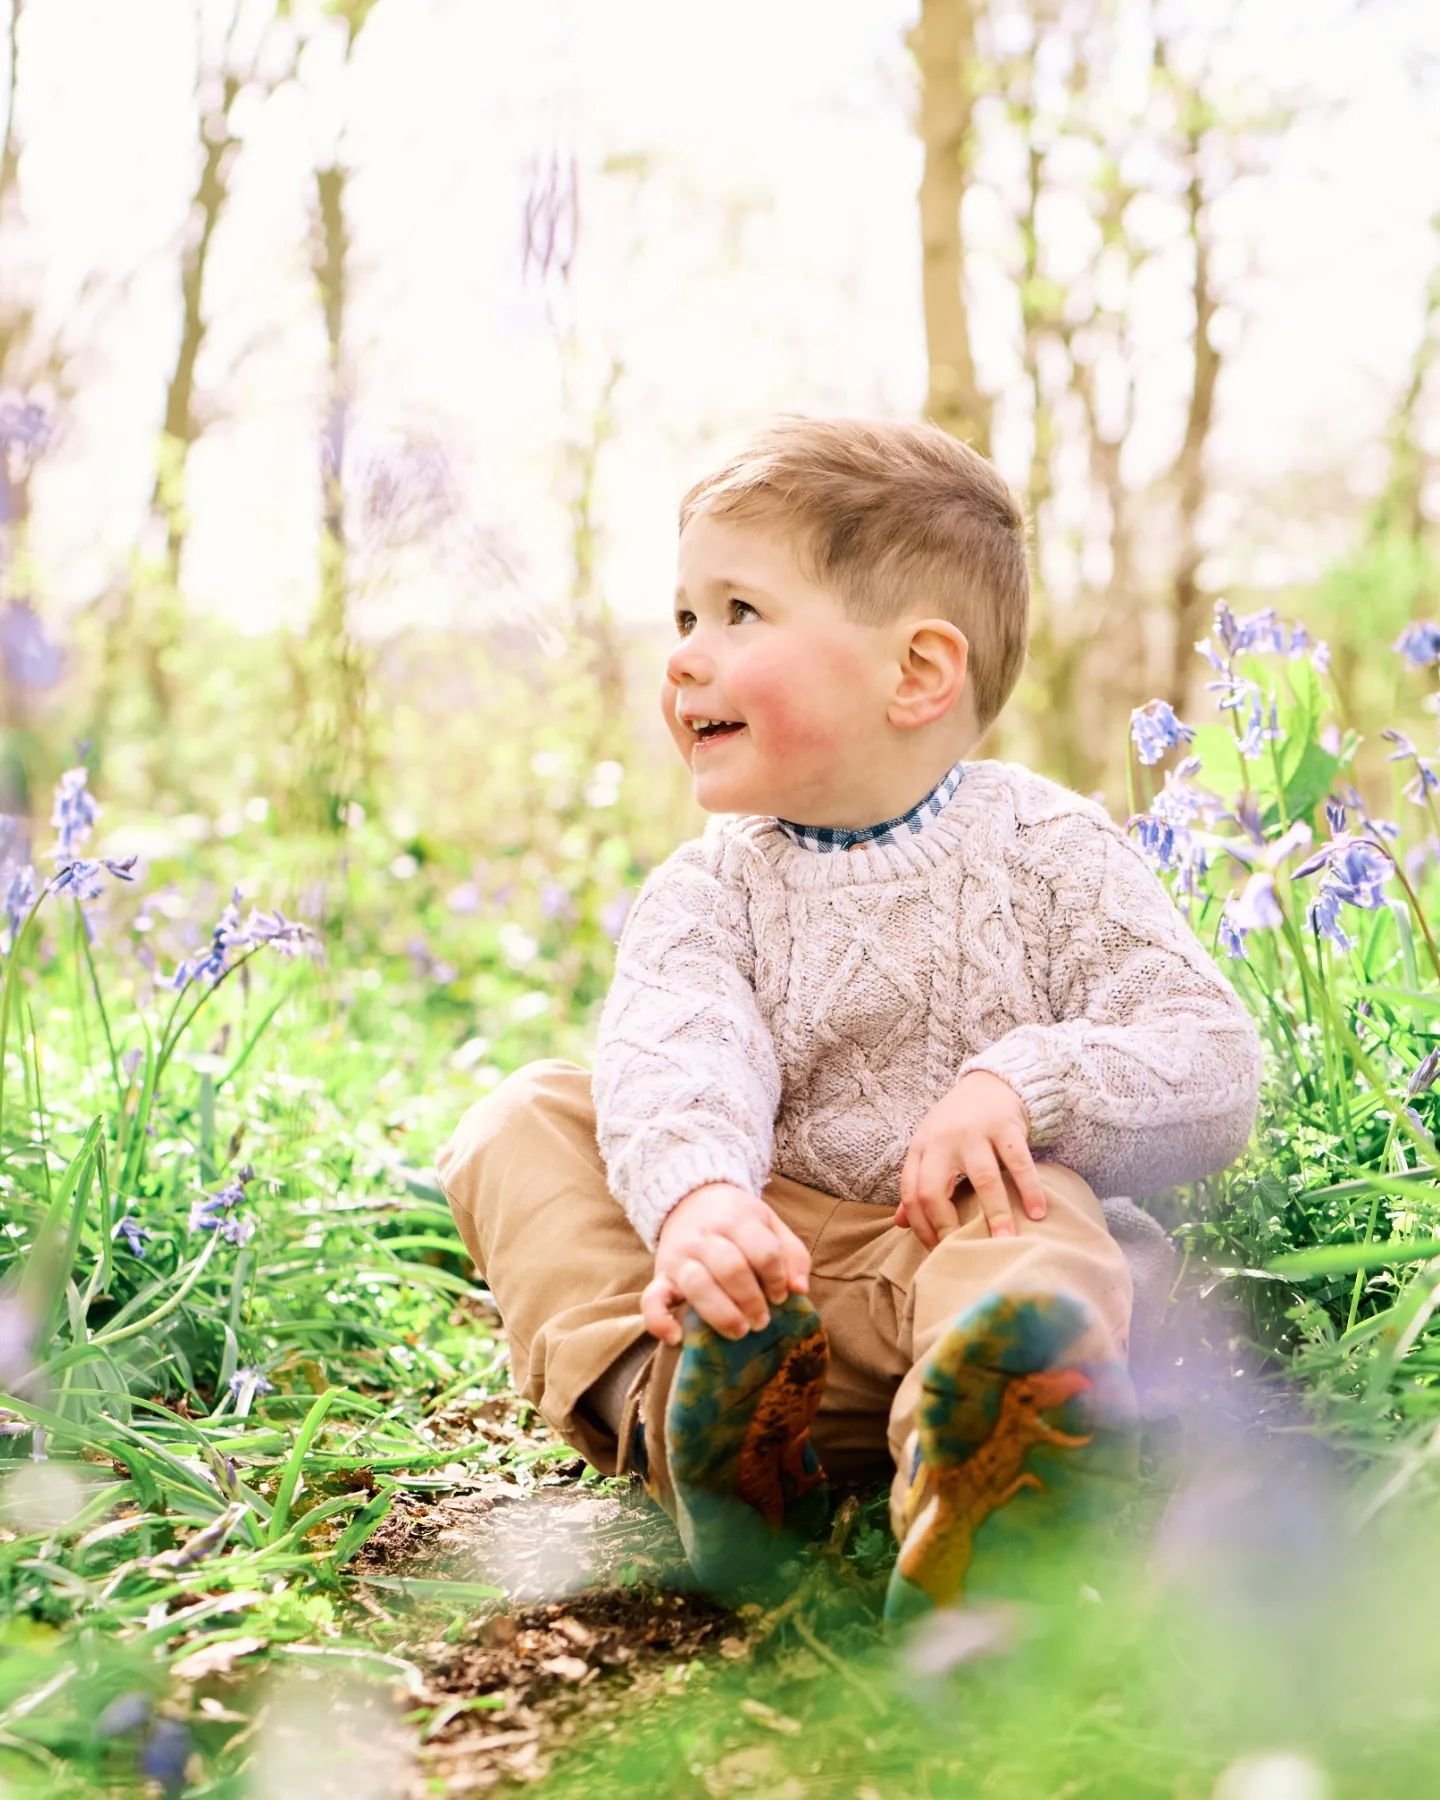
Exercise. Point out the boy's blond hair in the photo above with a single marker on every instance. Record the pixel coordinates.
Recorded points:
(896, 519)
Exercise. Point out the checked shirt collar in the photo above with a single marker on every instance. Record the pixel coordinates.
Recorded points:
(890, 831)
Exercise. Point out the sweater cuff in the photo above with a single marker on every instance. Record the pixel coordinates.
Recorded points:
(690, 1167)
(1038, 1077)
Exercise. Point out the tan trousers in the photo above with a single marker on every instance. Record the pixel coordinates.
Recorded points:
(525, 1181)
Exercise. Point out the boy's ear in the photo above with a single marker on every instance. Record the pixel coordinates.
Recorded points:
(933, 665)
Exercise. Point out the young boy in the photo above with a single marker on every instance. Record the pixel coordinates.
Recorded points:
(875, 1043)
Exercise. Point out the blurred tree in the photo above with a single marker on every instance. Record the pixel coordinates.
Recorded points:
(244, 49)
(943, 43)
(330, 666)
(1100, 136)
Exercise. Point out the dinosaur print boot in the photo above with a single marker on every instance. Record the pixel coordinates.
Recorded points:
(1017, 1446)
(748, 1486)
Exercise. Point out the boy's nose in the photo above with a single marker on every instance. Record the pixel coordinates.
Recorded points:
(687, 665)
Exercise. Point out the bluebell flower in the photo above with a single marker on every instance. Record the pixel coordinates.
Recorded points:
(83, 878)
(135, 1234)
(1425, 779)
(1256, 908)
(75, 812)
(165, 1754)
(1419, 643)
(207, 1213)
(24, 423)
(1157, 839)
(1232, 938)
(241, 1376)
(555, 900)
(285, 936)
(126, 1713)
(1335, 816)
(1258, 731)
(1423, 1079)
(1154, 729)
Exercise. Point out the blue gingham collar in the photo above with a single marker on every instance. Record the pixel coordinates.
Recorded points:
(838, 837)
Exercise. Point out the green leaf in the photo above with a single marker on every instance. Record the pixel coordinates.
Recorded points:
(1344, 1259)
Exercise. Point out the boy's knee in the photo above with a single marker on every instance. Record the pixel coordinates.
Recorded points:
(511, 1104)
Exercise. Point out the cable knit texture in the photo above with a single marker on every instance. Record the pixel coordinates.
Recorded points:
(776, 1009)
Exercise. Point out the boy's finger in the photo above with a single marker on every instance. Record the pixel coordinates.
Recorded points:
(989, 1185)
(797, 1258)
(655, 1305)
(709, 1299)
(732, 1270)
(760, 1243)
(1026, 1176)
(902, 1218)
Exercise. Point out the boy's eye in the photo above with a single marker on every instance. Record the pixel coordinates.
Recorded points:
(684, 620)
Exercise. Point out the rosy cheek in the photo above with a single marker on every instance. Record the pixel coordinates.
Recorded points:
(788, 707)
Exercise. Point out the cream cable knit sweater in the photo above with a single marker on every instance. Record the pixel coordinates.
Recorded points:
(778, 1009)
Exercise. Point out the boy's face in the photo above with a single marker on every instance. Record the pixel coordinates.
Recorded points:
(758, 644)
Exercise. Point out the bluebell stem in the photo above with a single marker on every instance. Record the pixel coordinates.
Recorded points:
(1154, 729)
(1419, 643)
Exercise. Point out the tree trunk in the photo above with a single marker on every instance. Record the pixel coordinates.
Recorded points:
(1190, 471)
(943, 42)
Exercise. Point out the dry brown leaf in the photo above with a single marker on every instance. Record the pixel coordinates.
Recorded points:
(216, 1659)
(568, 1668)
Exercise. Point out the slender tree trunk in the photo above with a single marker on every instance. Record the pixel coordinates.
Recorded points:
(943, 42)
(1190, 470)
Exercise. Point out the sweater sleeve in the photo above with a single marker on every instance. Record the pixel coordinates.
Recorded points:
(686, 1078)
(1150, 1076)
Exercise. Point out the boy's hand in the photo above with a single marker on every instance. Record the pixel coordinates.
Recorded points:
(727, 1253)
(978, 1125)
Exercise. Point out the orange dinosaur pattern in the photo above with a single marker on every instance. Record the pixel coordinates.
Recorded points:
(964, 1495)
(776, 1436)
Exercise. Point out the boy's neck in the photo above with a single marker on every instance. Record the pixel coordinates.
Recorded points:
(893, 799)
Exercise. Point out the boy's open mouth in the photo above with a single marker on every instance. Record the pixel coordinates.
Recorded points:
(709, 734)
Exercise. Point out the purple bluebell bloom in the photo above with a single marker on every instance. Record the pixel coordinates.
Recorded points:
(1256, 908)
(135, 1234)
(209, 1212)
(1154, 729)
(127, 1713)
(24, 423)
(1258, 731)
(75, 812)
(1232, 938)
(555, 902)
(164, 1755)
(83, 878)
(1423, 1079)
(284, 936)
(1419, 643)
(241, 1376)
